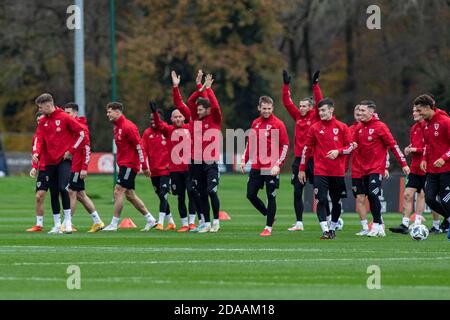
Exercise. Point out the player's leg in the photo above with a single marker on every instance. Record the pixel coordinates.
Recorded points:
(444, 194)
(178, 187)
(193, 191)
(192, 207)
(272, 184)
(74, 177)
(52, 173)
(201, 186)
(164, 190)
(212, 181)
(361, 208)
(254, 184)
(431, 192)
(97, 223)
(119, 192)
(298, 197)
(321, 188)
(373, 182)
(162, 202)
(41, 190)
(64, 173)
(337, 192)
(408, 207)
(420, 206)
(132, 197)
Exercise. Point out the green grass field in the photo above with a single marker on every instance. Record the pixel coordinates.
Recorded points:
(233, 264)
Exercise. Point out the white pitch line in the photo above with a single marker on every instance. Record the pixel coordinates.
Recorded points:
(274, 261)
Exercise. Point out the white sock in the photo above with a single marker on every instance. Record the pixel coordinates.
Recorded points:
(333, 226)
(169, 218)
(95, 217)
(364, 224)
(216, 221)
(436, 224)
(192, 219)
(299, 224)
(405, 221)
(162, 215)
(324, 226)
(329, 218)
(418, 219)
(149, 217)
(67, 216)
(115, 221)
(184, 222)
(268, 228)
(208, 224)
(57, 219)
(202, 218)
(40, 221)
(376, 226)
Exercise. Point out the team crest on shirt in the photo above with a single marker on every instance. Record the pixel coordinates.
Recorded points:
(58, 122)
(371, 131)
(321, 132)
(268, 127)
(335, 131)
(436, 126)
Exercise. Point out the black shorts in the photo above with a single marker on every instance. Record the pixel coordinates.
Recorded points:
(206, 177)
(76, 184)
(59, 175)
(256, 181)
(42, 181)
(372, 184)
(416, 181)
(309, 170)
(357, 186)
(335, 186)
(161, 184)
(179, 182)
(126, 178)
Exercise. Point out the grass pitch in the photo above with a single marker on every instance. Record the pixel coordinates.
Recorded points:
(233, 264)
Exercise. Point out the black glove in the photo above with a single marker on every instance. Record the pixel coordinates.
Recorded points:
(152, 105)
(315, 78)
(286, 77)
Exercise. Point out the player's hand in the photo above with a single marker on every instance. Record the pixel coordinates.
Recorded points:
(439, 163)
(423, 166)
(209, 81)
(302, 177)
(386, 174)
(286, 77)
(242, 167)
(199, 78)
(35, 158)
(406, 170)
(275, 171)
(67, 156)
(332, 154)
(33, 173)
(147, 173)
(175, 79)
(354, 145)
(152, 105)
(315, 78)
(83, 174)
(408, 150)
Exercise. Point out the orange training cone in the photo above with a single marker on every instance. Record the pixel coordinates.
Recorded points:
(127, 223)
(224, 216)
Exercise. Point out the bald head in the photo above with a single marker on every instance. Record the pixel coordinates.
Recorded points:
(177, 118)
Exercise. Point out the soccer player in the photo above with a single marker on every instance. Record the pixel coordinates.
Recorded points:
(130, 158)
(55, 133)
(435, 160)
(204, 127)
(304, 116)
(154, 145)
(374, 138)
(38, 169)
(80, 162)
(267, 146)
(328, 141)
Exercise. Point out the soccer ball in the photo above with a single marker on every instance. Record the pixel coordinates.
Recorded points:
(340, 224)
(419, 232)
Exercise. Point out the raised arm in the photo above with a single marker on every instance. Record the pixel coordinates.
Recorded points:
(215, 108)
(286, 95)
(160, 125)
(177, 98)
(317, 92)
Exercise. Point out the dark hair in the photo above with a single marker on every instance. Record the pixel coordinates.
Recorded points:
(43, 98)
(326, 101)
(265, 99)
(369, 103)
(115, 106)
(204, 102)
(424, 100)
(71, 105)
